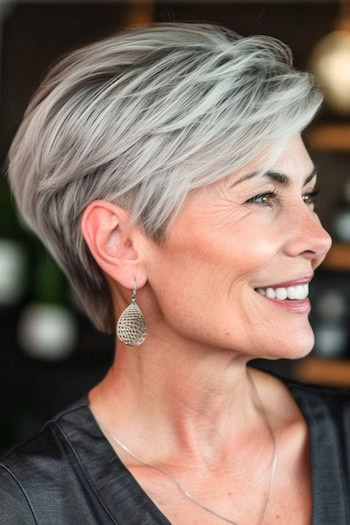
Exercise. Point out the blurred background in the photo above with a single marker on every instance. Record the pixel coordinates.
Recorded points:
(50, 354)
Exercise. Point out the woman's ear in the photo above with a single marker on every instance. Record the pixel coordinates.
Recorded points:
(113, 243)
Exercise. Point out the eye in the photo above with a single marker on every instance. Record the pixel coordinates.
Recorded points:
(311, 197)
(263, 199)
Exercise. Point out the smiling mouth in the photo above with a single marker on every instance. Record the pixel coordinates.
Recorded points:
(297, 292)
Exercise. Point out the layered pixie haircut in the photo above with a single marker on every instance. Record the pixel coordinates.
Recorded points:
(141, 119)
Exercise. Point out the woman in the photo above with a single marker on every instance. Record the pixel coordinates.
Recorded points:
(165, 171)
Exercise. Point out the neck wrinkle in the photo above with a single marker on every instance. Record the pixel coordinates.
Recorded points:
(200, 406)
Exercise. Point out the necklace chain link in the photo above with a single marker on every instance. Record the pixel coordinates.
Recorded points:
(185, 491)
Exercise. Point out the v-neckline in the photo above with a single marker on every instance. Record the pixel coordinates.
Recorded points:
(122, 495)
(327, 506)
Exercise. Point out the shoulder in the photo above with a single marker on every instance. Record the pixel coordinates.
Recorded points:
(49, 446)
(326, 411)
(333, 397)
(32, 472)
(324, 408)
(306, 390)
(316, 402)
(15, 507)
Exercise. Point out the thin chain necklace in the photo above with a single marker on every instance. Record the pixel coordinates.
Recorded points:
(184, 491)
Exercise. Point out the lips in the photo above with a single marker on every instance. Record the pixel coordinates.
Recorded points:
(285, 284)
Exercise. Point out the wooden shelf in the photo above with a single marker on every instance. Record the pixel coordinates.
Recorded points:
(329, 137)
(322, 371)
(338, 258)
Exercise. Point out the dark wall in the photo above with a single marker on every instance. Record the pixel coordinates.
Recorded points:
(35, 35)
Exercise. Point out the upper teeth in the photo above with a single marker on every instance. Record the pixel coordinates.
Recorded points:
(301, 291)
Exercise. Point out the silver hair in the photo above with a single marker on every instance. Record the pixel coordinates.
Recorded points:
(141, 119)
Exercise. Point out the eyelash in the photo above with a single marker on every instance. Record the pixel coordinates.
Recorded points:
(311, 195)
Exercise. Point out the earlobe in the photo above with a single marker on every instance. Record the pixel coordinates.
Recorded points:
(106, 231)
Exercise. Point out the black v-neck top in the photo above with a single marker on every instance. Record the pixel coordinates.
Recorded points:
(69, 474)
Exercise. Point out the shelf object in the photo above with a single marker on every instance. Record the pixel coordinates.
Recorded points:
(329, 137)
(330, 61)
(331, 372)
(140, 13)
(338, 258)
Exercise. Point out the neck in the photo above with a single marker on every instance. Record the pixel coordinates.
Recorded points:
(196, 400)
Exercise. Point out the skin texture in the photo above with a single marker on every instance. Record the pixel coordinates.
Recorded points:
(187, 384)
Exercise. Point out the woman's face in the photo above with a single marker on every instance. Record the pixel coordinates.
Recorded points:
(230, 243)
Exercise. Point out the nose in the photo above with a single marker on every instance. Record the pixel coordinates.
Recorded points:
(307, 238)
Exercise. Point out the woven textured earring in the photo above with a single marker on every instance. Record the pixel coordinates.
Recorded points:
(131, 327)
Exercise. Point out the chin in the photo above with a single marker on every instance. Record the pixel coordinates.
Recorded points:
(298, 347)
(302, 352)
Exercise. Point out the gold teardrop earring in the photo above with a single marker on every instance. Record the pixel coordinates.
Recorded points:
(131, 326)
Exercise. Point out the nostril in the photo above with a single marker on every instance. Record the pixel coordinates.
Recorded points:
(308, 254)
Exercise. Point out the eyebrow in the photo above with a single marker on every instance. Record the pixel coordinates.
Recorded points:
(281, 178)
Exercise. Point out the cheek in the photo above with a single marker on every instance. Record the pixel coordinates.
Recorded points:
(224, 250)
(207, 272)
(242, 256)
(208, 260)
(185, 280)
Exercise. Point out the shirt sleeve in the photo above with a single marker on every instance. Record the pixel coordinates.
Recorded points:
(15, 507)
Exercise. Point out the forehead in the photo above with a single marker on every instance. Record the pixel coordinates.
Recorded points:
(294, 162)
(293, 166)
(295, 158)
